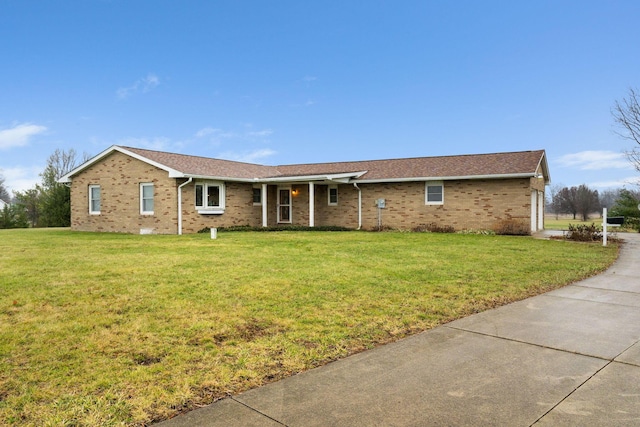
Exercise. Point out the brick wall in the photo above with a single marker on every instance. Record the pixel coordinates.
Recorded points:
(119, 177)
(239, 209)
(477, 204)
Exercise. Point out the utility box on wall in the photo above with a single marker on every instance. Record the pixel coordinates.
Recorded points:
(381, 203)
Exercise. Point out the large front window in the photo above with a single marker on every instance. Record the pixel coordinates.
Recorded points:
(210, 197)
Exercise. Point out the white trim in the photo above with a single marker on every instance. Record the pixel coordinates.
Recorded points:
(312, 205)
(359, 205)
(142, 185)
(446, 178)
(339, 177)
(205, 209)
(172, 172)
(534, 207)
(265, 221)
(540, 210)
(91, 187)
(180, 204)
(426, 192)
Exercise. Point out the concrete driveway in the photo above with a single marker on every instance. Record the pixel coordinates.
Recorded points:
(570, 357)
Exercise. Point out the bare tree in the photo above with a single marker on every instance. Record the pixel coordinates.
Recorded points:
(554, 203)
(58, 164)
(587, 201)
(577, 200)
(608, 198)
(627, 116)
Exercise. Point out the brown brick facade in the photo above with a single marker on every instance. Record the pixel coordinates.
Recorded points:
(119, 177)
(468, 204)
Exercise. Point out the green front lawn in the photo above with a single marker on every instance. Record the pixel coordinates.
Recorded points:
(111, 329)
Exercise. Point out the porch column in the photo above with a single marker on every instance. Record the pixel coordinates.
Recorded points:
(311, 205)
(263, 199)
(540, 210)
(534, 208)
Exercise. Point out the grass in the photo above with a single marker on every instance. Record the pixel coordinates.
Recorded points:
(551, 223)
(112, 329)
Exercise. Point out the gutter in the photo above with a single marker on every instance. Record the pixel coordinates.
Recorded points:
(449, 178)
(355, 184)
(180, 204)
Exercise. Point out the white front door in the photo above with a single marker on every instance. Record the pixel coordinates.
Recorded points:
(284, 205)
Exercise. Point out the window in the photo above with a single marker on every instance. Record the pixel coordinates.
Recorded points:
(94, 199)
(257, 196)
(434, 193)
(333, 195)
(210, 197)
(146, 199)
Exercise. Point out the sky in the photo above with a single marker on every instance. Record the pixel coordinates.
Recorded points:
(286, 81)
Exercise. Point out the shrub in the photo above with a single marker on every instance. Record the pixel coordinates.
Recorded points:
(631, 222)
(478, 232)
(278, 228)
(432, 227)
(512, 227)
(584, 233)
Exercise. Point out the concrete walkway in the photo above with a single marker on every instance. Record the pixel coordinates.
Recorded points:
(570, 357)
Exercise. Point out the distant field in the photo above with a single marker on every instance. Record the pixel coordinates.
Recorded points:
(550, 223)
(563, 223)
(114, 329)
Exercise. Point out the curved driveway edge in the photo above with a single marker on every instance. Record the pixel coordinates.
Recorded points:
(570, 357)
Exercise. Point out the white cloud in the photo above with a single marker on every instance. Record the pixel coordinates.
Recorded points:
(144, 85)
(260, 133)
(309, 78)
(618, 183)
(215, 134)
(595, 160)
(19, 135)
(20, 178)
(205, 132)
(254, 156)
(218, 136)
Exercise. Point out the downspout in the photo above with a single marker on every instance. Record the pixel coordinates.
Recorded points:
(359, 205)
(180, 204)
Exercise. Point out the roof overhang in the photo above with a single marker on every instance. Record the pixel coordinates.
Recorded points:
(343, 178)
(68, 177)
(448, 178)
(543, 168)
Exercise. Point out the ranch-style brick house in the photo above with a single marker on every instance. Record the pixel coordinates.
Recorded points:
(133, 190)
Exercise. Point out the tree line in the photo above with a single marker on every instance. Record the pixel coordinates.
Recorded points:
(48, 203)
(583, 202)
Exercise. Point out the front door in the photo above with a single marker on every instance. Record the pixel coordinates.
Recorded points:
(284, 205)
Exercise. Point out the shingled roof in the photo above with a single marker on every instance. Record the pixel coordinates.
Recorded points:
(512, 164)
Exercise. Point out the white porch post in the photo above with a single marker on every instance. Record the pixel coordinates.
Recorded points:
(263, 199)
(534, 207)
(311, 205)
(540, 210)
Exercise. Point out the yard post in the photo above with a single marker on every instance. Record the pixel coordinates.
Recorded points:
(604, 226)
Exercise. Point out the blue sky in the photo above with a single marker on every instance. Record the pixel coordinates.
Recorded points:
(301, 82)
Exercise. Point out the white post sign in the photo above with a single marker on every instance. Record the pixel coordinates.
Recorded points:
(604, 226)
